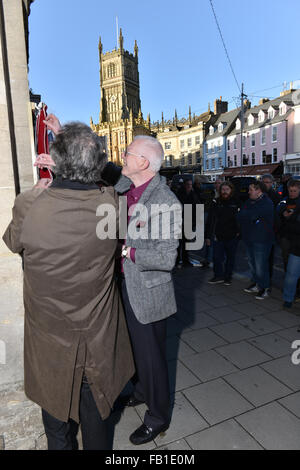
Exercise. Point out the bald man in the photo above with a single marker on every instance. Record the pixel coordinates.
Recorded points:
(147, 286)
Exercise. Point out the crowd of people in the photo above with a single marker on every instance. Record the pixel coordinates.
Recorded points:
(266, 219)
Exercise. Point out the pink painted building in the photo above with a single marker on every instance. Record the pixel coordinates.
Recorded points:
(267, 137)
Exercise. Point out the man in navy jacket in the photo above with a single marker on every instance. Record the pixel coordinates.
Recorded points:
(256, 220)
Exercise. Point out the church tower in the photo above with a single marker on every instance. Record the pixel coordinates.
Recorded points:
(121, 116)
(119, 82)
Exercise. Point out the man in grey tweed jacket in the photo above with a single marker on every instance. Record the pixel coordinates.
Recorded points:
(149, 255)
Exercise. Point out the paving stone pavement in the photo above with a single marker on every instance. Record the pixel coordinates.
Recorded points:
(233, 383)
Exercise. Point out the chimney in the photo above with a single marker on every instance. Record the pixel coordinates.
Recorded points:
(263, 100)
(287, 92)
(220, 106)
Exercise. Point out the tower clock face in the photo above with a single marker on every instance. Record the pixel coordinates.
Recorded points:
(113, 98)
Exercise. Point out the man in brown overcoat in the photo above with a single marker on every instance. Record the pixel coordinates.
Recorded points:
(77, 354)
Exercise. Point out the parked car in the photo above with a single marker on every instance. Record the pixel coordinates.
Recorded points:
(241, 185)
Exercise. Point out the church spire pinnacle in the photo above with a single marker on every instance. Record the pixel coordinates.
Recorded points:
(121, 40)
(136, 49)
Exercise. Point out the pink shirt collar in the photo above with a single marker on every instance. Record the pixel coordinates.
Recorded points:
(134, 193)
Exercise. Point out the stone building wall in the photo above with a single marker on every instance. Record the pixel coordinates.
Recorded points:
(20, 420)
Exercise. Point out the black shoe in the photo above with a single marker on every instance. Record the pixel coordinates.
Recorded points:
(227, 282)
(145, 434)
(216, 280)
(287, 304)
(204, 264)
(263, 293)
(130, 400)
(252, 289)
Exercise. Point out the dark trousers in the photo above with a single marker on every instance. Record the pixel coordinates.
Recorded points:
(258, 260)
(182, 254)
(271, 261)
(224, 257)
(285, 246)
(62, 436)
(151, 383)
(291, 278)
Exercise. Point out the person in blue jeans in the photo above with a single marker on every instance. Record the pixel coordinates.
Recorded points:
(221, 232)
(293, 266)
(256, 219)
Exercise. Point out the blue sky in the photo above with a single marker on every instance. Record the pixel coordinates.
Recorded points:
(181, 57)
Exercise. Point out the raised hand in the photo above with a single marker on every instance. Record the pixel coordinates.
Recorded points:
(52, 122)
(44, 160)
(43, 183)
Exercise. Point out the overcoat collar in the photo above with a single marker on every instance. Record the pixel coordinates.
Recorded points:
(75, 185)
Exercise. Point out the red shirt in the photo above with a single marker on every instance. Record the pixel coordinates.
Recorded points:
(133, 196)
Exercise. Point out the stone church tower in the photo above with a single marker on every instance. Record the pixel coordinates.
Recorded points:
(120, 107)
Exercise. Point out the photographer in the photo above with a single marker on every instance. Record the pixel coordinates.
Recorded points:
(256, 222)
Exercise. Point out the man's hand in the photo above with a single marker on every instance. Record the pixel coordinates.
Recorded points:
(52, 122)
(207, 242)
(44, 160)
(287, 214)
(43, 183)
(128, 251)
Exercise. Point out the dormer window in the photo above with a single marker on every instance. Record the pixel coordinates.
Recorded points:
(282, 109)
(238, 124)
(250, 120)
(261, 116)
(271, 113)
(220, 127)
(211, 130)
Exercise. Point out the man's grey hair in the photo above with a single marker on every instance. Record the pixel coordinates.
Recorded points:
(267, 176)
(154, 152)
(79, 154)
